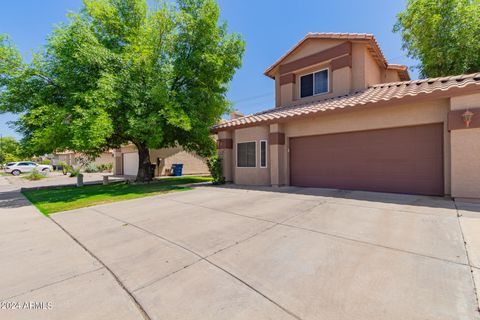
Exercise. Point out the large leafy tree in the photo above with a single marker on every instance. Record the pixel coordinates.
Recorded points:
(9, 149)
(120, 71)
(444, 35)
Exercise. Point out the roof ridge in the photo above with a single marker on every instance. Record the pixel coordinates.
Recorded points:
(342, 33)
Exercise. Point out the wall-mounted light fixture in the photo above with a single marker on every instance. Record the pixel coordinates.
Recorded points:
(467, 117)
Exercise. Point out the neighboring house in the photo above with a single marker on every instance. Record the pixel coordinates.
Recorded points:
(71, 157)
(345, 118)
(126, 161)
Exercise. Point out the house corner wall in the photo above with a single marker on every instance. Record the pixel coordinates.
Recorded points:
(342, 81)
(251, 175)
(276, 141)
(117, 162)
(465, 152)
(225, 151)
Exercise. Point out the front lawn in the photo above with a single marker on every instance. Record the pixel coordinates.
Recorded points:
(49, 201)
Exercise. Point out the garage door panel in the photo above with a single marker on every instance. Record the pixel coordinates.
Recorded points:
(130, 164)
(404, 160)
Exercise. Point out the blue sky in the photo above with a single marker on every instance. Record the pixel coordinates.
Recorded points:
(269, 29)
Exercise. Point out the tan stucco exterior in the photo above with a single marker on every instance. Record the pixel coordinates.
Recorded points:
(257, 175)
(461, 146)
(465, 153)
(70, 157)
(402, 115)
(363, 72)
(163, 159)
(310, 47)
(379, 118)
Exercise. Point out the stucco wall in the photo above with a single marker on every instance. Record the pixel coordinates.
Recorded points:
(296, 95)
(104, 158)
(257, 175)
(466, 163)
(466, 153)
(358, 66)
(378, 118)
(192, 163)
(391, 76)
(364, 72)
(373, 73)
(312, 46)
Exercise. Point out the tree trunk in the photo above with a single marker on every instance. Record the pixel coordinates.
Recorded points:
(145, 171)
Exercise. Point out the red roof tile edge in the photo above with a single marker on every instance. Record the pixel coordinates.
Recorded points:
(385, 92)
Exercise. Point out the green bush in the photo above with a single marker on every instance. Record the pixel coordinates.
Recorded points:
(35, 175)
(46, 162)
(73, 172)
(215, 166)
(106, 167)
(68, 169)
(92, 167)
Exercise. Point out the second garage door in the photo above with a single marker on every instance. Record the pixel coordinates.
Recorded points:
(130, 164)
(401, 160)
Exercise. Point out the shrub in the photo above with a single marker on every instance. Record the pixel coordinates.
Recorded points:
(35, 175)
(46, 161)
(106, 167)
(92, 167)
(64, 166)
(68, 169)
(73, 172)
(215, 166)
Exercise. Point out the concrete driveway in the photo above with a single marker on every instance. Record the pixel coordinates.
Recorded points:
(232, 253)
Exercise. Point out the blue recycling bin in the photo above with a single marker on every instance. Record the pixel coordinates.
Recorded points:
(177, 169)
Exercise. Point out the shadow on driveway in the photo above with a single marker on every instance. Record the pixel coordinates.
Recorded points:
(12, 199)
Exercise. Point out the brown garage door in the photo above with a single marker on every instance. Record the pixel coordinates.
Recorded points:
(401, 160)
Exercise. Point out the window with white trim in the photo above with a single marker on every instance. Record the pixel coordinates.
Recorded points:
(314, 83)
(246, 155)
(263, 153)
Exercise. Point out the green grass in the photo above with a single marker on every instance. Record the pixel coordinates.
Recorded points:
(49, 201)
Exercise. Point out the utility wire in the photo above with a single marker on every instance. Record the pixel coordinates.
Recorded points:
(253, 97)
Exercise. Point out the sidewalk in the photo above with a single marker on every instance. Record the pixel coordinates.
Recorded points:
(45, 274)
(58, 179)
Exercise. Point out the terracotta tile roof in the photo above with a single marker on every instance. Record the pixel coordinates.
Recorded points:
(386, 92)
(373, 46)
(401, 69)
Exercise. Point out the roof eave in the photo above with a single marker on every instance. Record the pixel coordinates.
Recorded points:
(364, 37)
(424, 96)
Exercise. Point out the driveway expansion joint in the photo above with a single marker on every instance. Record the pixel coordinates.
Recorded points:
(475, 286)
(318, 203)
(373, 244)
(117, 280)
(53, 283)
(208, 261)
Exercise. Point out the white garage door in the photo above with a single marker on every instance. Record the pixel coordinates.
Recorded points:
(130, 164)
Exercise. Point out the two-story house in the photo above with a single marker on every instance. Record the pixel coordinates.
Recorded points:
(345, 118)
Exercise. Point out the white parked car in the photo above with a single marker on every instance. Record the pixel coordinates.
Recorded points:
(26, 166)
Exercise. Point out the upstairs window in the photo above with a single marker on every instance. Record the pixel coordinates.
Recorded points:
(314, 83)
(246, 156)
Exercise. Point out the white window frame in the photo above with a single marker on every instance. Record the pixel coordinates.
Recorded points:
(266, 154)
(236, 154)
(313, 73)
